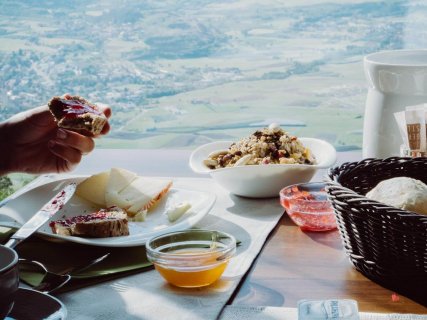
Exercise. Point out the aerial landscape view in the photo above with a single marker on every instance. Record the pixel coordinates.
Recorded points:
(213, 159)
(182, 73)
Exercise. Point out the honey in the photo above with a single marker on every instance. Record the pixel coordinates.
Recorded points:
(192, 258)
(191, 276)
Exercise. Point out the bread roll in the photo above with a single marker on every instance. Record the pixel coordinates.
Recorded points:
(403, 193)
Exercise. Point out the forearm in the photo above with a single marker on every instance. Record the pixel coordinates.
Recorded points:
(5, 146)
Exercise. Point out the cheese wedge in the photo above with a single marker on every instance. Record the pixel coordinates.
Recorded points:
(118, 180)
(93, 188)
(143, 193)
(123, 189)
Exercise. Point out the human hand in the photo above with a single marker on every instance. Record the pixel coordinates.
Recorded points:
(33, 143)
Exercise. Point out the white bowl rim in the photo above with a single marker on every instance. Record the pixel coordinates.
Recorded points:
(196, 167)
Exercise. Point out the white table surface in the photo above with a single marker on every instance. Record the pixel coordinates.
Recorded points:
(174, 164)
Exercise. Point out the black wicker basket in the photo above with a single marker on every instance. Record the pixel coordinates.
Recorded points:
(386, 244)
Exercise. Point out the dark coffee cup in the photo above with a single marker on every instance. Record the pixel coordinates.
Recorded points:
(9, 279)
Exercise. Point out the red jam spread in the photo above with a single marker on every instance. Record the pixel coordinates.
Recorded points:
(73, 108)
(55, 205)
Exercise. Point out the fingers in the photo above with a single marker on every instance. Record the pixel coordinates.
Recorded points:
(106, 128)
(68, 157)
(107, 111)
(70, 139)
(69, 147)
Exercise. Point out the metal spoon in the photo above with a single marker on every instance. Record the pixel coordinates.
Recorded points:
(54, 281)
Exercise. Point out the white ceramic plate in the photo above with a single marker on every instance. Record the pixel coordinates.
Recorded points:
(19, 210)
(261, 181)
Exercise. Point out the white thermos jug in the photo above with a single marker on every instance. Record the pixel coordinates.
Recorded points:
(396, 79)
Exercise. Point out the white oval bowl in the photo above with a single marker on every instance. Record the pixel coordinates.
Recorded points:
(263, 181)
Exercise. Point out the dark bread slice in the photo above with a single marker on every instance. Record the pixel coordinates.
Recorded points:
(77, 114)
(111, 222)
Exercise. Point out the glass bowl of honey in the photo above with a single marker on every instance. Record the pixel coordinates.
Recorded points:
(308, 206)
(192, 258)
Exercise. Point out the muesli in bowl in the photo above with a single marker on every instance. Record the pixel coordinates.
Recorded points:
(270, 145)
(260, 165)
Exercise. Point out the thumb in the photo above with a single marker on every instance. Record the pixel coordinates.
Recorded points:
(40, 117)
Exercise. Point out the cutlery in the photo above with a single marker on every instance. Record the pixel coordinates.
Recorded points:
(47, 211)
(54, 281)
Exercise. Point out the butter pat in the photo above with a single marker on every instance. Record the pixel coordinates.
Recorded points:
(139, 217)
(175, 212)
(328, 309)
